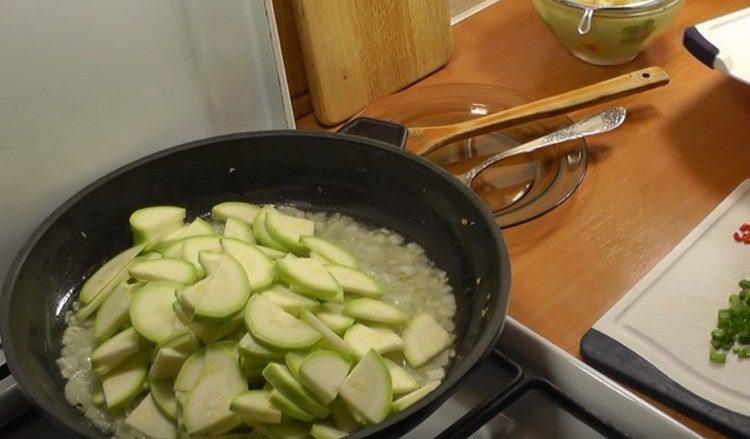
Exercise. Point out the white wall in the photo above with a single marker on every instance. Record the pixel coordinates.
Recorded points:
(86, 86)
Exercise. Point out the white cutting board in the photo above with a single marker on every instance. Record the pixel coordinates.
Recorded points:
(668, 316)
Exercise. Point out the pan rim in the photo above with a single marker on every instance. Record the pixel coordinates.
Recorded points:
(420, 409)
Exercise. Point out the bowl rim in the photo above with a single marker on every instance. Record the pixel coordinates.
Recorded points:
(636, 9)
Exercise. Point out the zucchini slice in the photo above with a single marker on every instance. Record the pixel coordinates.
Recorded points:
(408, 400)
(293, 361)
(322, 372)
(288, 407)
(283, 381)
(255, 407)
(261, 232)
(151, 310)
(234, 209)
(147, 419)
(114, 312)
(271, 252)
(330, 339)
(329, 251)
(237, 229)
(290, 302)
(207, 404)
(375, 311)
(355, 281)
(173, 270)
(117, 349)
(367, 389)
(335, 322)
(192, 246)
(152, 224)
(220, 295)
(197, 227)
(164, 397)
(252, 348)
(310, 277)
(323, 431)
(342, 416)
(424, 338)
(208, 261)
(166, 364)
(402, 381)
(259, 268)
(104, 275)
(125, 381)
(276, 327)
(190, 372)
(287, 229)
(362, 339)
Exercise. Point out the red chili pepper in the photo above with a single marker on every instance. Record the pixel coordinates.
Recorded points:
(737, 237)
(745, 228)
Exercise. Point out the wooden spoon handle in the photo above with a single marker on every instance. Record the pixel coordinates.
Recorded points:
(423, 140)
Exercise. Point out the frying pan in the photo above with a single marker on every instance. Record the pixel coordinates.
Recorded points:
(370, 180)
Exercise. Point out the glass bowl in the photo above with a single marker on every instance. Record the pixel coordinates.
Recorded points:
(517, 189)
(599, 34)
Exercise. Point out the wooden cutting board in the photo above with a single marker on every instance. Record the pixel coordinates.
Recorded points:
(358, 51)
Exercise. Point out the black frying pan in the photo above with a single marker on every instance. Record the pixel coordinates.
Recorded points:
(369, 180)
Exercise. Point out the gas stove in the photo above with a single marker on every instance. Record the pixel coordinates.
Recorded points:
(526, 388)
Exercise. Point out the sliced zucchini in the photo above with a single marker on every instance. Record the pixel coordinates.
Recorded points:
(342, 416)
(220, 359)
(196, 228)
(104, 275)
(114, 312)
(402, 381)
(252, 369)
(255, 407)
(317, 257)
(251, 347)
(261, 232)
(125, 381)
(220, 295)
(331, 340)
(152, 224)
(375, 311)
(291, 302)
(333, 308)
(97, 396)
(408, 400)
(355, 281)
(288, 407)
(322, 372)
(329, 251)
(207, 404)
(190, 372)
(164, 397)
(166, 364)
(293, 361)
(259, 268)
(276, 327)
(336, 322)
(272, 252)
(310, 277)
(147, 419)
(367, 389)
(117, 349)
(323, 431)
(208, 330)
(234, 209)
(283, 381)
(151, 310)
(173, 270)
(424, 338)
(286, 430)
(287, 230)
(208, 261)
(238, 229)
(362, 339)
(192, 246)
(171, 249)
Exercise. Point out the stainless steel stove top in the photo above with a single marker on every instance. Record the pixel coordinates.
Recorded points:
(527, 388)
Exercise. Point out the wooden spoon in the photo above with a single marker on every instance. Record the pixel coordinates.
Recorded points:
(422, 140)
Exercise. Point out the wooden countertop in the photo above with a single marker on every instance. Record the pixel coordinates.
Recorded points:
(683, 149)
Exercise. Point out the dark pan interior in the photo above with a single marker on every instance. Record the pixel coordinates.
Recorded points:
(370, 181)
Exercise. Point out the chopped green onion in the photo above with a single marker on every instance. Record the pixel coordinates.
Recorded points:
(733, 327)
(745, 283)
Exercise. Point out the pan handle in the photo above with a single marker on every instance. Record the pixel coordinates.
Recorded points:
(12, 402)
(376, 129)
